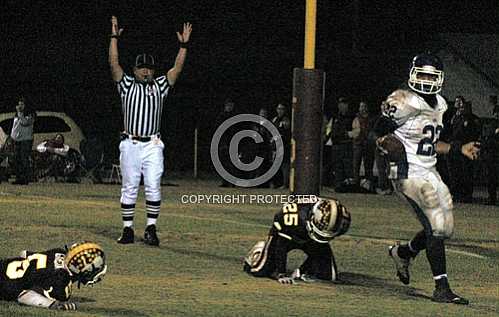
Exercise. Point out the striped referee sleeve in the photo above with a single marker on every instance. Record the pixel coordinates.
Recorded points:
(124, 84)
(164, 85)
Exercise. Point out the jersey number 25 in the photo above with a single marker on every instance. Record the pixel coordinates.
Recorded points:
(290, 214)
(16, 269)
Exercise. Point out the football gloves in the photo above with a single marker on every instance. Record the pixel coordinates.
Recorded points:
(284, 279)
(63, 305)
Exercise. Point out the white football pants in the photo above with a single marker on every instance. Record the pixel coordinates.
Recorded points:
(431, 200)
(141, 158)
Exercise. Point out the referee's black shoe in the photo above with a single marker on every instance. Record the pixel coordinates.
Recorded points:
(150, 236)
(127, 236)
(445, 295)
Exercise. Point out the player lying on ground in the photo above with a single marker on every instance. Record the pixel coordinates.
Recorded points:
(409, 133)
(308, 227)
(45, 279)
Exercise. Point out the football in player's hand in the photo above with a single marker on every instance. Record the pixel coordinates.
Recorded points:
(391, 147)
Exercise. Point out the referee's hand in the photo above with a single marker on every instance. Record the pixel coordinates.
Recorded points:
(115, 31)
(186, 33)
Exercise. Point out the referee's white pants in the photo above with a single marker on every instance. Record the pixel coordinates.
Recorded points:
(141, 158)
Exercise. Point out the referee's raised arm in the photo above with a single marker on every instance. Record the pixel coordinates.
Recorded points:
(116, 70)
(183, 38)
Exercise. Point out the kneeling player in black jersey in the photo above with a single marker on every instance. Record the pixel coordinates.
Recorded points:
(308, 227)
(45, 279)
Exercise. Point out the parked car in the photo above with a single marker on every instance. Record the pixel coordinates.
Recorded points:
(47, 125)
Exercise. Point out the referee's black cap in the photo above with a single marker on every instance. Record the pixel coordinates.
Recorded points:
(145, 61)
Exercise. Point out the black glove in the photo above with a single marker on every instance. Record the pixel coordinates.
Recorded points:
(63, 305)
(284, 279)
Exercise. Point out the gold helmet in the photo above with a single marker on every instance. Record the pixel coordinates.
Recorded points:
(328, 219)
(87, 262)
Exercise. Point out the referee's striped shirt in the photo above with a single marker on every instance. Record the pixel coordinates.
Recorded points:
(142, 104)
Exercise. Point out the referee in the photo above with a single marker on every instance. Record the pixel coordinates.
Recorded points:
(141, 149)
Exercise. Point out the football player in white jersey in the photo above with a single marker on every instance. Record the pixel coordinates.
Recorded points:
(414, 117)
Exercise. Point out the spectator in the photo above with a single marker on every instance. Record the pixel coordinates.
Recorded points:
(52, 159)
(22, 134)
(445, 135)
(341, 137)
(490, 143)
(92, 156)
(283, 125)
(465, 127)
(494, 106)
(383, 186)
(55, 146)
(264, 148)
(327, 160)
(227, 112)
(451, 111)
(449, 117)
(362, 152)
(3, 152)
(3, 138)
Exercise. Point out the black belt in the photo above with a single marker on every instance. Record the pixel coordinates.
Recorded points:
(138, 138)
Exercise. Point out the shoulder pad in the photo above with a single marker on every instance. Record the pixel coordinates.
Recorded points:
(442, 103)
(400, 106)
(401, 98)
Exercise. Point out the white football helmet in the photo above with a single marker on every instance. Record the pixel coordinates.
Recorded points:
(328, 219)
(427, 74)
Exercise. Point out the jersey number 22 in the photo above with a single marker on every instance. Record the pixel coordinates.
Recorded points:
(426, 146)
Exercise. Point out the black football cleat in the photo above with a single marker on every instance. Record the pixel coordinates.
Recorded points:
(445, 295)
(150, 237)
(127, 236)
(401, 264)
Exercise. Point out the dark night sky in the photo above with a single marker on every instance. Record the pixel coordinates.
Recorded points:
(55, 52)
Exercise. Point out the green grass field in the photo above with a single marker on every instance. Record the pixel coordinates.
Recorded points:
(197, 270)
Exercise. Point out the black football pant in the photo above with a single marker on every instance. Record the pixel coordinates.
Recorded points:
(320, 261)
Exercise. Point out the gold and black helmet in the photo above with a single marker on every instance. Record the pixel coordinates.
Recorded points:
(328, 219)
(87, 262)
